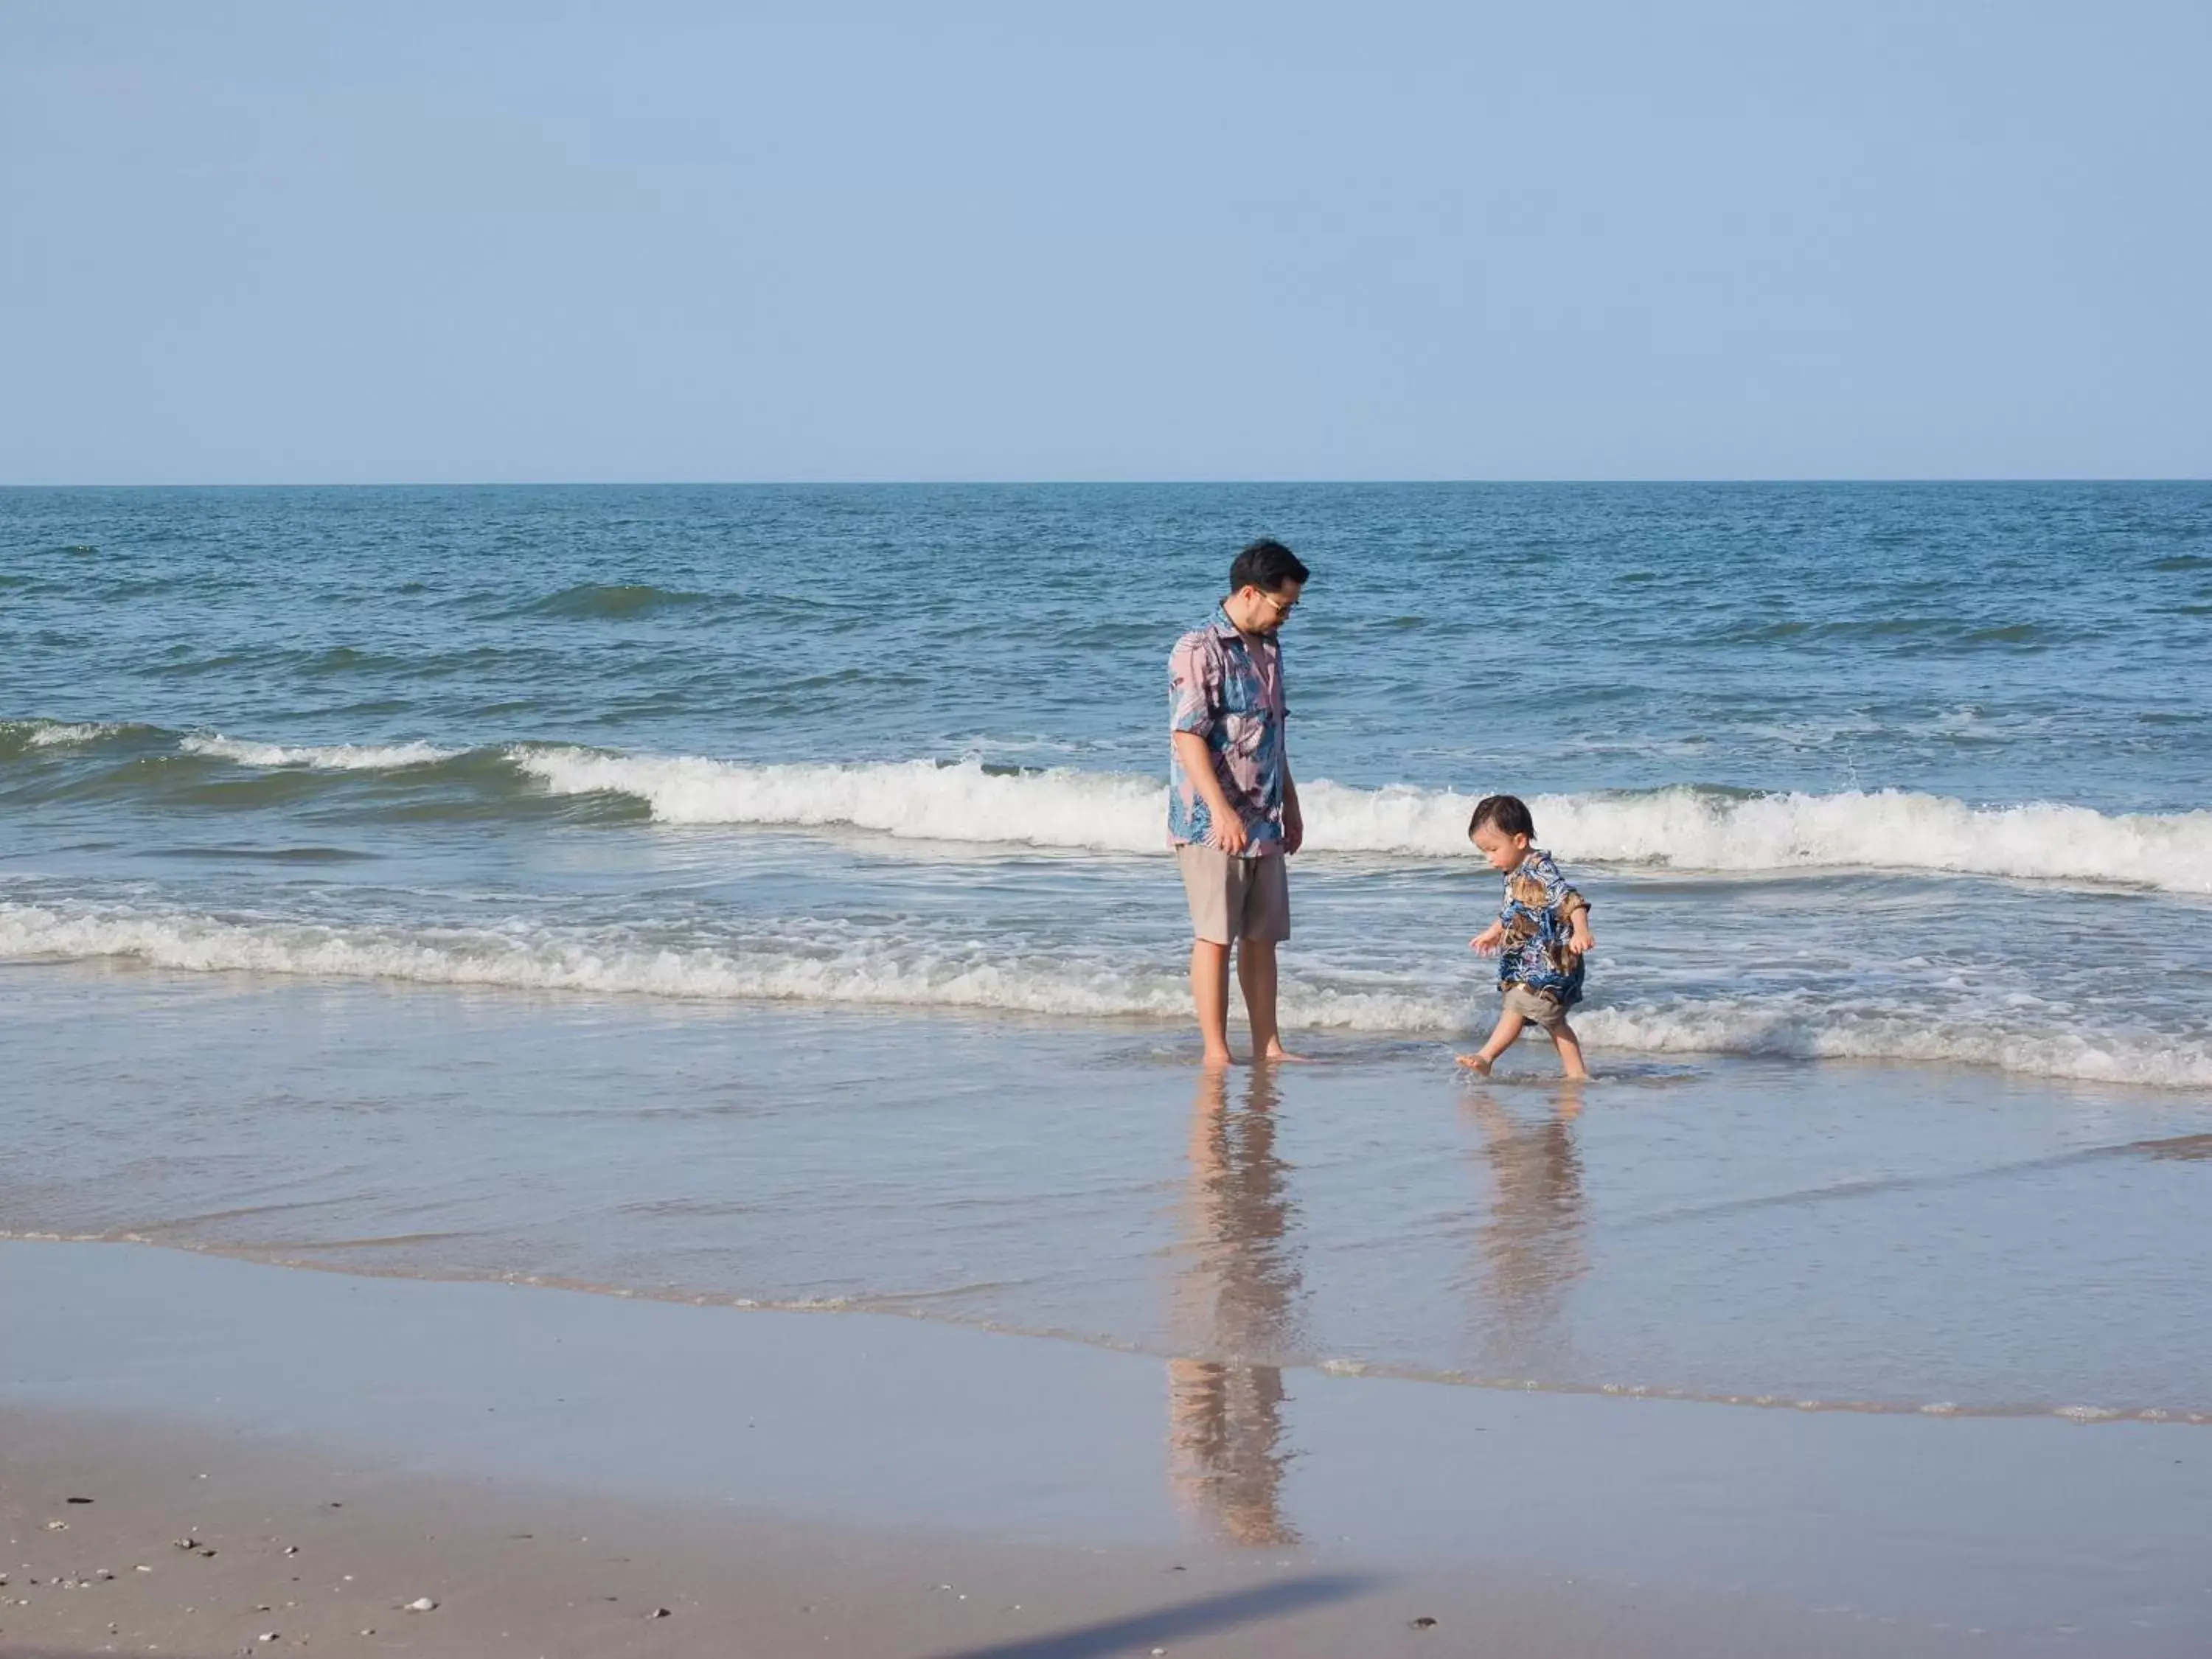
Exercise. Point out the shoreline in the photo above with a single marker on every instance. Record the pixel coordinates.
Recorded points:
(2085, 1416)
(1071, 1480)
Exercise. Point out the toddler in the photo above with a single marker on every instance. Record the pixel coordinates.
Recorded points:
(1540, 937)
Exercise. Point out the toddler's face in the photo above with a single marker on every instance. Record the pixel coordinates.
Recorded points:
(1504, 852)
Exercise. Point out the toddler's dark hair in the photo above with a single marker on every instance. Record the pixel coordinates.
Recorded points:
(1509, 814)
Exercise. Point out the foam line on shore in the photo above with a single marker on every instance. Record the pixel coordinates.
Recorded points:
(855, 969)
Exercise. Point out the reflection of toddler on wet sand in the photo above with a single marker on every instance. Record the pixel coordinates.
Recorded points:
(1540, 937)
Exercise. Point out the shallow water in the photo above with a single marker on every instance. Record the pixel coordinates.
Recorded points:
(1834, 1234)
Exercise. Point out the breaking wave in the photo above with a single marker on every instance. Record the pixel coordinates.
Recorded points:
(811, 961)
(1683, 827)
(19, 737)
(968, 802)
(327, 757)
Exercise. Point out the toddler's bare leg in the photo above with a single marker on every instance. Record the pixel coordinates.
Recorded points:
(1508, 1027)
(1571, 1051)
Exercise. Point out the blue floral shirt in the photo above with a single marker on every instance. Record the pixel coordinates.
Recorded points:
(1228, 690)
(1539, 917)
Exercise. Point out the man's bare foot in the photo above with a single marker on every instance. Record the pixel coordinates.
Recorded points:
(1479, 1064)
(1276, 1054)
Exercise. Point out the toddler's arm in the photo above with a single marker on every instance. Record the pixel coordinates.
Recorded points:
(1578, 914)
(1490, 939)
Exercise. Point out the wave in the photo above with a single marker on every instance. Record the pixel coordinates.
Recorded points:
(819, 963)
(1775, 1028)
(805, 962)
(326, 758)
(593, 599)
(19, 735)
(1683, 827)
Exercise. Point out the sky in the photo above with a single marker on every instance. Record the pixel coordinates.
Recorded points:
(355, 242)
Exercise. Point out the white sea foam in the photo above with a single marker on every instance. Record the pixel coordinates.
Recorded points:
(918, 800)
(329, 757)
(1785, 1029)
(1680, 828)
(855, 970)
(60, 734)
(825, 963)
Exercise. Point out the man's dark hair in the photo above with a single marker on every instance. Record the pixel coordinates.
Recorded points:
(1266, 565)
(1507, 814)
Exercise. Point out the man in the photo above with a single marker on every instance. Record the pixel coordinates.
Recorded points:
(1232, 809)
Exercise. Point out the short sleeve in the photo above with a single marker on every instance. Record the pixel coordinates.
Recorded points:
(1193, 685)
(1560, 896)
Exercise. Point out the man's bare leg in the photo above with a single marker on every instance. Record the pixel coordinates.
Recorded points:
(1209, 992)
(1570, 1052)
(1508, 1028)
(1255, 974)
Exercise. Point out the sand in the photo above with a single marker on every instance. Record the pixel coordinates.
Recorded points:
(552, 1469)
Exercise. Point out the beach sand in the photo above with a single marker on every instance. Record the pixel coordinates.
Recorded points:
(551, 1468)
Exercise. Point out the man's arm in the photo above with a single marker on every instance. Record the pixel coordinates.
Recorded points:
(1294, 817)
(1230, 834)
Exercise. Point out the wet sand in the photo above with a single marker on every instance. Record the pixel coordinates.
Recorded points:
(786, 1483)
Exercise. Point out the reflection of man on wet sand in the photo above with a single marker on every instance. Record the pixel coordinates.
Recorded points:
(1236, 1295)
(1531, 1241)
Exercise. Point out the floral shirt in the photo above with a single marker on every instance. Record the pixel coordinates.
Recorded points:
(1539, 917)
(1228, 690)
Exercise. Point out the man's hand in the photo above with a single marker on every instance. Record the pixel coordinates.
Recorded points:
(1489, 940)
(1230, 834)
(1294, 824)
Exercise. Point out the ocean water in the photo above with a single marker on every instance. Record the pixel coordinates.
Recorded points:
(1917, 771)
(1894, 803)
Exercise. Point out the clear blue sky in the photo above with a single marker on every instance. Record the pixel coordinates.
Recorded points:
(280, 242)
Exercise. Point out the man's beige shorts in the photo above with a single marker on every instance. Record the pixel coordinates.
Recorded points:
(1539, 1008)
(1236, 898)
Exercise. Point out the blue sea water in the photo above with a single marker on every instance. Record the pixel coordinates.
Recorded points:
(1919, 772)
(760, 894)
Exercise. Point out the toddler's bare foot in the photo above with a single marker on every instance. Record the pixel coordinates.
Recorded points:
(1479, 1064)
(1277, 1054)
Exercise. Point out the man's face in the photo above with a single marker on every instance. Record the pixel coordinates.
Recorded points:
(1258, 611)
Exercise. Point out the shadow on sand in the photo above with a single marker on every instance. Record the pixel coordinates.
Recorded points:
(1156, 1629)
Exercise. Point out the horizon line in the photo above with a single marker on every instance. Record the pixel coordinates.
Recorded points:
(1099, 484)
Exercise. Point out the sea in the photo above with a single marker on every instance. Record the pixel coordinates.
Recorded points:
(760, 894)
